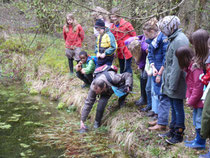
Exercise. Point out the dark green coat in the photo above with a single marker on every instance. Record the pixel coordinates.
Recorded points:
(174, 85)
(205, 123)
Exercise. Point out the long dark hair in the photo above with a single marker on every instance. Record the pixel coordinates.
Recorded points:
(184, 55)
(199, 39)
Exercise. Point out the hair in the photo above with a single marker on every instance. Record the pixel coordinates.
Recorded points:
(99, 83)
(115, 11)
(98, 11)
(184, 55)
(135, 48)
(83, 53)
(151, 25)
(74, 25)
(199, 39)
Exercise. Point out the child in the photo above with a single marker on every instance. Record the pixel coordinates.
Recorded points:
(105, 44)
(73, 35)
(138, 47)
(173, 87)
(122, 30)
(156, 56)
(194, 92)
(101, 13)
(85, 68)
(199, 40)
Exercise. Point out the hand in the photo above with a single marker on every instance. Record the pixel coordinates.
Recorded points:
(78, 67)
(98, 55)
(82, 71)
(155, 72)
(102, 55)
(126, 89)
(158, 78)
(82, 125)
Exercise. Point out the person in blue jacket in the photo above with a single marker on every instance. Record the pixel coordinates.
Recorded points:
(156, 56)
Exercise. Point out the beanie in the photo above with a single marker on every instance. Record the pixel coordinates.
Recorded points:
(100, 23)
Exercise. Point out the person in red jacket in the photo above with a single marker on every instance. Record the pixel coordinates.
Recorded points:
(73, 35)
(122, 30)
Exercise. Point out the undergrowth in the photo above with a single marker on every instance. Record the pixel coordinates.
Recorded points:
(43, 67)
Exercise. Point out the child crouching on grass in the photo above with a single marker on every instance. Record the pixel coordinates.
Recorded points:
(85, 68)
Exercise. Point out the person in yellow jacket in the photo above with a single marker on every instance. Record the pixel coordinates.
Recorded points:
(106, 44)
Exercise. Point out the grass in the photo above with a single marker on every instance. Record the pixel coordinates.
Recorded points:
(46, 71)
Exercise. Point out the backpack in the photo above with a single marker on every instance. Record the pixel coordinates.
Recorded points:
(119, 91)
(104, 70)
(94, 58)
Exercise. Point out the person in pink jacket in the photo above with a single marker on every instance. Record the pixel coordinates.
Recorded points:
(122, 30)
(194, 92)
(73, 35)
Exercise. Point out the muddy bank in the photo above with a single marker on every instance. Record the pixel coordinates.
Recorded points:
(127, 126)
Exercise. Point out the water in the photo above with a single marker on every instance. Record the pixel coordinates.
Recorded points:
(20, 115)
(31, 126)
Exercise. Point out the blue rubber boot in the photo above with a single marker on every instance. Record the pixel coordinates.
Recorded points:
(192, 141)
(199, 143)
(205, 155)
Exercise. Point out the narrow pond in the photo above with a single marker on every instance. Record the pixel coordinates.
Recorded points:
(31, 126)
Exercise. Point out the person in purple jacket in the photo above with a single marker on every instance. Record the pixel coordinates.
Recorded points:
(138, 47)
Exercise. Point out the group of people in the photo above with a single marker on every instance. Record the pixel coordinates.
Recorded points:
(170, 71)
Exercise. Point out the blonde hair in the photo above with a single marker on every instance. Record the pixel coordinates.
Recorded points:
(74, 25)
(135, 48)
(151, 25)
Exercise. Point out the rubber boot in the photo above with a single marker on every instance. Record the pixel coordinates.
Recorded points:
(177, 138)
(207, 155)
(143, 98)
(199, 143)
(192, 141)
(71, 66)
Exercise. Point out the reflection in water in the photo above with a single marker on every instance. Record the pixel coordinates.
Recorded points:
(31, 126)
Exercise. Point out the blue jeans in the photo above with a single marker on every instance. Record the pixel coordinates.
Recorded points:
(148, 90)
(197, 116)
(177, 113)
(125, 65)
(107, 60)
(155, 98)
(163, 109)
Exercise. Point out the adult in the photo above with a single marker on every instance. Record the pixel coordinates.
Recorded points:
(122, 30)
(103, 85)
(173, 86)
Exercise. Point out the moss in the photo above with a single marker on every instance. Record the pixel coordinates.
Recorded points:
(45, 91)
(33, 91)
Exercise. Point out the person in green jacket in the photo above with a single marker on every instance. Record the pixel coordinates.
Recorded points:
(205, 128)
(85, 68)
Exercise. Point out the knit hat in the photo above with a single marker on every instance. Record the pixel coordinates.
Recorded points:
(100, 23)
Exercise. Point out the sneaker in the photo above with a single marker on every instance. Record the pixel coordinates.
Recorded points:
(168, 134)
(177, 138)
(150, 114)
(158, 128)
(146, 109)
(96, 124)
(152, 123)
